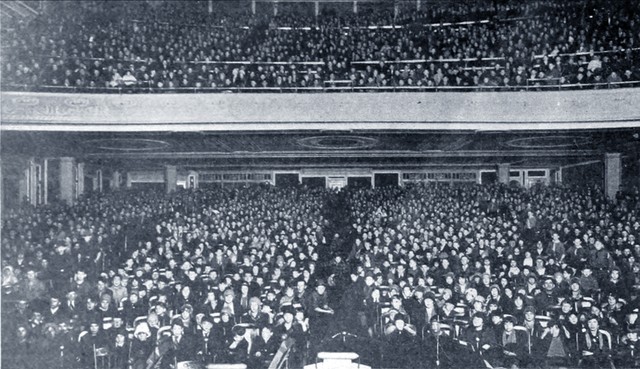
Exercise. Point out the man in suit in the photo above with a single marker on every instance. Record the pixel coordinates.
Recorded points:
(182, 344)
(208, 342)
(56, 312)
(264, 347)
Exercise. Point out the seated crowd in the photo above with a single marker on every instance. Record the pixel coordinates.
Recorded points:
(455, 276)
(180, 45)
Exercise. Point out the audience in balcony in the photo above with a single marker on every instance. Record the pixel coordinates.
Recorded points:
(180, 45)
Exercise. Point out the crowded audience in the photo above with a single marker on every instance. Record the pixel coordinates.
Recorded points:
(174, 46)
(465, 275)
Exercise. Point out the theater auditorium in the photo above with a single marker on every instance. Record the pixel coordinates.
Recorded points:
(320, 184)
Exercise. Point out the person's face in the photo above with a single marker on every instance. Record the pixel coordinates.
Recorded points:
(177, 330)
(477, 322)
(266, 333)
(508, 326)
(119, 340)
(254, 306)
(321, 289)
(592, 324)
(206, 326)
(288, 317)
(529, 315)
(22, 332)
(435, 327)
(94, 328)
(396, 303)
(428, 303)
(54, 303)
(289, 292)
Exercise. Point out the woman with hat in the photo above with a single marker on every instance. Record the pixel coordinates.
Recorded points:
(141, 346)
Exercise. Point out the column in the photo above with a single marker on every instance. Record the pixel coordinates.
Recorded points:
(355, 7)
(3, 190)
(253, 7)
(210, 6)
(170, 178)
(45, 181)
(97, 181)
(128, 184)
(80, 183)
(23, 186)
(33, 182)
(67, 180)
(316, 8)
(396, 10)
(115, 180)
(503, 173)
(418, 5)
(275, 8)
(612, 174)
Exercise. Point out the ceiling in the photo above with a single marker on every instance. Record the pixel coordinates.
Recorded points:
(292, 149)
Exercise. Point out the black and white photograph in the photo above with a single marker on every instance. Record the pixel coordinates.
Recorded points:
(320, 184)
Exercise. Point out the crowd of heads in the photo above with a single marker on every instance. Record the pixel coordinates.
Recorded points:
(231, 275)
(181, 45)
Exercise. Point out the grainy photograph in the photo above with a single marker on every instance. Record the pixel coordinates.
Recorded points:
(320, 184)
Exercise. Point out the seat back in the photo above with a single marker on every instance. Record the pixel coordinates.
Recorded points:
(524, 329)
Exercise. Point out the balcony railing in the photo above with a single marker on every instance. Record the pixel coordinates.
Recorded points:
(329, 86)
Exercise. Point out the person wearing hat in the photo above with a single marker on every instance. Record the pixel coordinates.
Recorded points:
(594, 345)
(140, 346)
(628, 353)
(515, 344)
(400, 343)
(479, 343)
(208, 341)
(91, 344)
(287, 326)
(119, 350)
(263, 348)
(237, 348)
(182, 344)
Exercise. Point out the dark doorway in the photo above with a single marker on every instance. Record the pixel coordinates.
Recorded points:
(386, 179)
(314, 182)
(488, 177)
(287, 180)
(359, 182)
